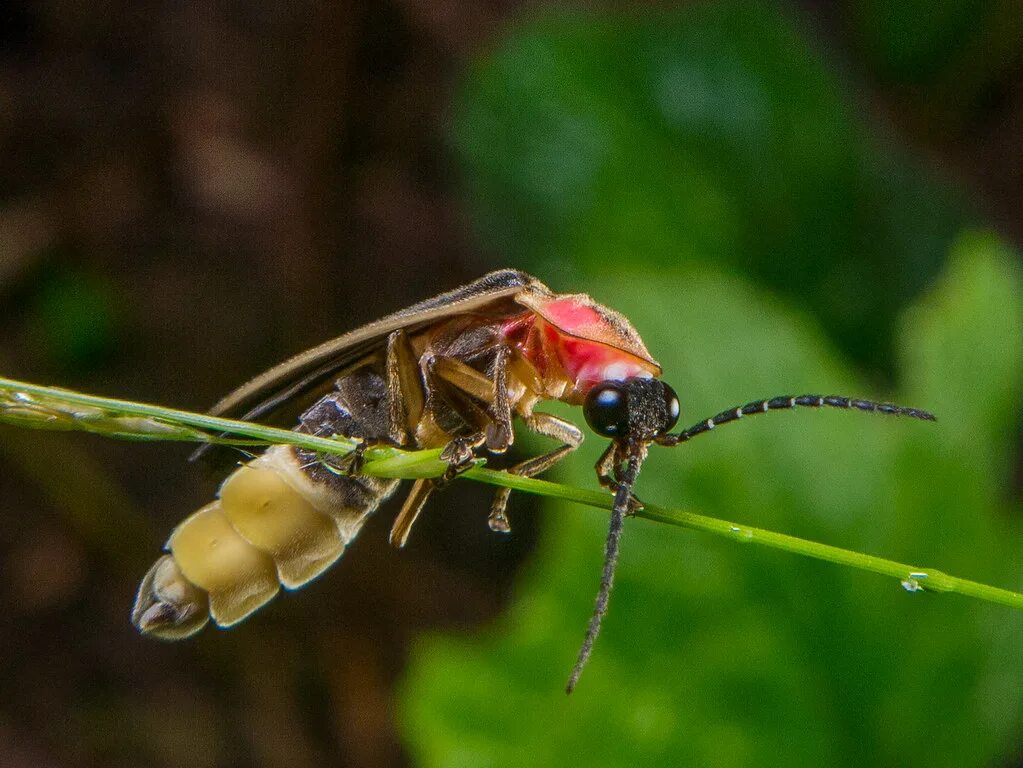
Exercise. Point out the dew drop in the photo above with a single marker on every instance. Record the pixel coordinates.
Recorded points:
(743, 533)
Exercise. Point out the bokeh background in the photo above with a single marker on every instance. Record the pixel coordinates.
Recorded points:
(806, 196)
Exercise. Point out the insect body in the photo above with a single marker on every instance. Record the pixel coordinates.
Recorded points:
(451, 372)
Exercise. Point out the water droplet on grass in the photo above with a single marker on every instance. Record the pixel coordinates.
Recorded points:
(912, 585)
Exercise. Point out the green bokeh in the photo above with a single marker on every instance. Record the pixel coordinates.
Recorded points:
(704, 172)
(719, 654)
(951, 49)
(73, 318)
(713, 134)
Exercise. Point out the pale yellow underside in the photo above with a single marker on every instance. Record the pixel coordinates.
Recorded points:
(271, 526)
(214, 556)
(277, 520)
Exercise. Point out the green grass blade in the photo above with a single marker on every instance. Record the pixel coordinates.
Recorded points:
(39, 407)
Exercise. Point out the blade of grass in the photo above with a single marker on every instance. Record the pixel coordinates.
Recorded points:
(913, 578)
(31, 405)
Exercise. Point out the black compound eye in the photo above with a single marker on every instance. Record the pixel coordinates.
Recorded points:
(672, 406)
(605, 409)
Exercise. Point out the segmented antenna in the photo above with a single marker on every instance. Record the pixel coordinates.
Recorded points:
(784, 402)
(614, 535)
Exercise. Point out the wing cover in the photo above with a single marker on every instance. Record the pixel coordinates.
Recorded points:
(305, 371)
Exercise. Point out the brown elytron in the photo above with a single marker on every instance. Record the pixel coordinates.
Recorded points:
(453, 372)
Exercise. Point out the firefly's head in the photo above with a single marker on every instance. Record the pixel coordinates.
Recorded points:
(632, 412)
(635, 410)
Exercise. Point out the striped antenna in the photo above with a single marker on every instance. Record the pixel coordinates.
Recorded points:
(786, 402)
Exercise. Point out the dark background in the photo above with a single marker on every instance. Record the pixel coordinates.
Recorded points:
(190, 192)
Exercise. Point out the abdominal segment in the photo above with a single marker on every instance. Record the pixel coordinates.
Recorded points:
(279, 520)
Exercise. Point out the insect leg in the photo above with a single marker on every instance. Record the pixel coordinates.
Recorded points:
(459, 455)
(549, 426)
(787, 401)
(457, 384)
(609, 471)
(606, 465)
(492, 390)
(405, 401)
(404, 387)
(463, 376)
(459, 452)
(414, 503)
(499, 431)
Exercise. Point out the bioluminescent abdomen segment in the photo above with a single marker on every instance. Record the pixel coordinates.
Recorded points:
(280, 520)
(453, 371)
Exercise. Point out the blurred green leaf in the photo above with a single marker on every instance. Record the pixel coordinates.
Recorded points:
(915, 39)
(935, 43)
(648, 160)
(74, 318)
(712, 133)
(717, 654)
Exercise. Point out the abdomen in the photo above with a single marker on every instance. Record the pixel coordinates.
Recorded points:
(279, 520)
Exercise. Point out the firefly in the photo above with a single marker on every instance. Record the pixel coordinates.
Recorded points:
(454, 372)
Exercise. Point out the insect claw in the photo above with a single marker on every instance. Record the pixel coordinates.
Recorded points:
(635, 505)
(460, 450)
(351, 463)
(608, 481)
(499, 523)
(498, 518)
(348, 465)
(459, 455)
(498, 437)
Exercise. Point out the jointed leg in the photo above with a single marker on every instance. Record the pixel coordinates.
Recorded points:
(499, 431)
(460, 386)
(606, 465)
(609, 471)
(410, 510)
(471, 385)
(405, 399)
(549, 426)
(406, 392)
(454, 382)
(459, 455)
(351, 463)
